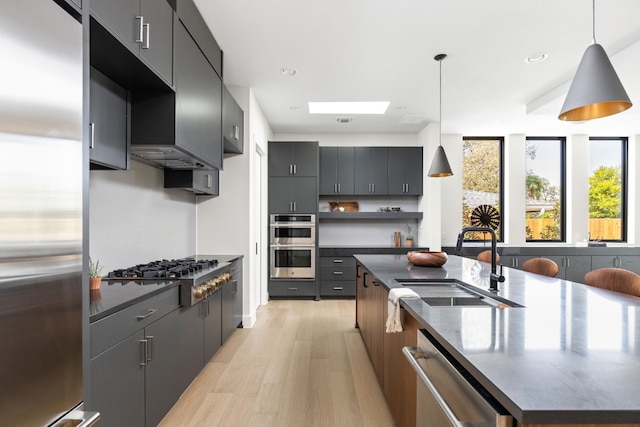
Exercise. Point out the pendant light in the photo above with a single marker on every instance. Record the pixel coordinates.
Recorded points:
(596, 90)
(440, 165)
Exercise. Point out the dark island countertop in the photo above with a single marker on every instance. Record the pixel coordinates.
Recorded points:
(571, 354)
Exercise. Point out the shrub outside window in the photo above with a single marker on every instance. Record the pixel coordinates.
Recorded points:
(607, 189)
(544, 189)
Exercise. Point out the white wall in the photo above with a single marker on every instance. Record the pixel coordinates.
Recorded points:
(134, 220)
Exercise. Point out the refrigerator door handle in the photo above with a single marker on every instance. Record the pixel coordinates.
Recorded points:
(86, 419)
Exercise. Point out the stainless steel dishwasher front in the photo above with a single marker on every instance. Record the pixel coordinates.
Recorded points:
(444, 396)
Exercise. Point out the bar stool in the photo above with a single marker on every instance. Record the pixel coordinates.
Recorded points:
(543, 266)
(485, 256)
(614, 279)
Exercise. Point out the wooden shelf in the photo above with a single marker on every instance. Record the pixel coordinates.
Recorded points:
(369, 215)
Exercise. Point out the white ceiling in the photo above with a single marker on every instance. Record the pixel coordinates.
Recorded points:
(382, 50)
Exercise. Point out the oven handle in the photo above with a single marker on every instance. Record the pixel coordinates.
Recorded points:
(292, 246)
(294, 225)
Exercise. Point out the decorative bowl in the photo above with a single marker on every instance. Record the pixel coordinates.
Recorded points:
(427, 258)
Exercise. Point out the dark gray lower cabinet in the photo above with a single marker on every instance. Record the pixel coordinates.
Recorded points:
(117, 384)
(131, 386)
(627, 262)
(292, 288)
(212, 325)
(337, 276)
(228, 310)
(236, 276)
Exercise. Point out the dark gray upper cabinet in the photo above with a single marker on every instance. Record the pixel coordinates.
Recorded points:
(232, 123)
(289, 195)
(197, 84)
(293, 158)
(404, 171)
(201, 182)
(337, 174)
(108, 123)
(145, 27)
(199, 30)
(371, 170)
(166, 129)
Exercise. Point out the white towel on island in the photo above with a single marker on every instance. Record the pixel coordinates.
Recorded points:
(394, 323)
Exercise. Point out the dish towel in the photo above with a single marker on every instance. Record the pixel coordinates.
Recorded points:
(394, 323)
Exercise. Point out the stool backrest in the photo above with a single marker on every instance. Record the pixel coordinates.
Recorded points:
(543, 266)
(614, 279)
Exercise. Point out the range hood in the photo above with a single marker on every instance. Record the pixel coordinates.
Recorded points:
(168, 157)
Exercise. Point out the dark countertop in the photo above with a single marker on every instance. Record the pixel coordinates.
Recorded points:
(116, 294)
(570, 355)
(351, 250)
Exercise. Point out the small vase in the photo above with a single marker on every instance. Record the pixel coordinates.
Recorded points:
(94, 283)
(409, 243)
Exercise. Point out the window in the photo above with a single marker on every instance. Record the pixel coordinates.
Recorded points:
(607, 188)
(482, 181)
(544, 189)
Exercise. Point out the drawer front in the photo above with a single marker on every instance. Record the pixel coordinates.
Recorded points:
(109, 331)
(334, 288)
(338, 260)
(294, 289)
(338, 272)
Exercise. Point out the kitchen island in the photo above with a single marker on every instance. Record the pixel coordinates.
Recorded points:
(564, 354)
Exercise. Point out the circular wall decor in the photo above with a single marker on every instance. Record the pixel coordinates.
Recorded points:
(485, 216)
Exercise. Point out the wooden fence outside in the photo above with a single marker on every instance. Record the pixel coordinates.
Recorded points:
(599, 228)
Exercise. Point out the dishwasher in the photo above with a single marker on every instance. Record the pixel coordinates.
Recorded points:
(445, 397)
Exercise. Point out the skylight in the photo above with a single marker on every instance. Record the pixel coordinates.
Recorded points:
(348, 107)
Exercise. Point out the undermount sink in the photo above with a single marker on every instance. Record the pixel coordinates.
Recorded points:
(453, 293)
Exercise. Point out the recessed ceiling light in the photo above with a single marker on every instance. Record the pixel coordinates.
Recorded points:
(400, 107)
(348, 107)
(344, 119)
(536, 57)
(294, 107)
(288, 71)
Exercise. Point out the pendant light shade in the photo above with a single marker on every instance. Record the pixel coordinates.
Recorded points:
(440, 164)
(596, 90)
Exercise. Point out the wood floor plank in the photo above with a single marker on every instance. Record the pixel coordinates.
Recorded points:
(302, 364)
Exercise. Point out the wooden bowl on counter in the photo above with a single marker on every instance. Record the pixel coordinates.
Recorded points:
(427, 258)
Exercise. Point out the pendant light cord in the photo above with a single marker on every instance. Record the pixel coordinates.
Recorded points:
(593, 26)
(440, 118)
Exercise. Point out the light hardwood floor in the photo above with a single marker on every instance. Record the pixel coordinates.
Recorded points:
(302, 364)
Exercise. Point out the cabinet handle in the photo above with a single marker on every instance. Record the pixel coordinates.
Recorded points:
(339, 191)
(145, 352)
(92, 135)
(235, 132)
(140, 20)
(294, 206)
(568, 262)
(375, 283)
(292, 289)
(208, 308)
(335, 188)
(295, 169)
(338, 288)
(146, 39)
(338, 273)
(373, 186)
(209, 180)
(149, 313)
(152, 346)
(338, 261)
(364, 279)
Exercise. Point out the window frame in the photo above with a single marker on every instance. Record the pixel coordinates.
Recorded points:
(500, 140)
(563, 187)
(624, 169)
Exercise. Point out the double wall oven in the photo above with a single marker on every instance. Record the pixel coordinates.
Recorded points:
(292, 242)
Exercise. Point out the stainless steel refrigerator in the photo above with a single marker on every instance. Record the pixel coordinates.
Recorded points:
(41, 167)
